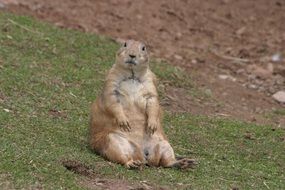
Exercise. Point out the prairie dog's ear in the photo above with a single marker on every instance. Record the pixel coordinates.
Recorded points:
(123, 44)
(148, 46)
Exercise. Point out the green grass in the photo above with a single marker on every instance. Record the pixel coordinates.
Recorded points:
(49, 77)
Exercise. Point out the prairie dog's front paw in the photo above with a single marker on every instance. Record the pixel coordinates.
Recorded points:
(152, 126)
(123, 123)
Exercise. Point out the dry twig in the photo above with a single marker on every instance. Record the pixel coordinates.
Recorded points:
(24, 27)
(236, 59)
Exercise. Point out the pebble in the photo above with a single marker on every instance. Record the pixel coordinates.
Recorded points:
(279, 96)
(194, 61)
(240, 31)
(252, 86)
(178, 57)
(240, 71)
(224, 77)
(276, 57)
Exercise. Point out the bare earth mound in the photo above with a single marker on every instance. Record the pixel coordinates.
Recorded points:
(232, 49)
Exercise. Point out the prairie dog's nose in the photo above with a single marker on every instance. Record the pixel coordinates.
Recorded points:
(132, 56)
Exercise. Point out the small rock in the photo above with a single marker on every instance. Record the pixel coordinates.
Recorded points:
(224, 77)
(178, 57)
(240, 71)
(276, 57)
(252, 86)
(279, 96)
(194, 61)
(240, 31)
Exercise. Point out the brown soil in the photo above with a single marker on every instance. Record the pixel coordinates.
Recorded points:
(5, 181)
(95, 181)
(57, 114)
(236, 39)
(77, 167)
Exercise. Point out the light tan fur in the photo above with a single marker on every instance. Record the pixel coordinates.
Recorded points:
(125, 123)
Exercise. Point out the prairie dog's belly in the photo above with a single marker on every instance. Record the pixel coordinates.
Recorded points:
(132, 95)
(132, 98)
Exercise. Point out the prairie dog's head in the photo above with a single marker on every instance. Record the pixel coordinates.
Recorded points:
(132, 54)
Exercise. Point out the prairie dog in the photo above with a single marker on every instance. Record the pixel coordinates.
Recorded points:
(125, 123)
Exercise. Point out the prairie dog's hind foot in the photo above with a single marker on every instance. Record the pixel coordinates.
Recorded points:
(185, 163)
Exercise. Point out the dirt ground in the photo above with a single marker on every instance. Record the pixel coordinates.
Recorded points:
(233, 50)
(92, 180)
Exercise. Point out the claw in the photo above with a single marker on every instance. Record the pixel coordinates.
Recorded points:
(124, 125)
(151, 127)
(187, 163)
(134, 164)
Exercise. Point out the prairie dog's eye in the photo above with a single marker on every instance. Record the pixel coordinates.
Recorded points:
(125, 44)
(143, 48)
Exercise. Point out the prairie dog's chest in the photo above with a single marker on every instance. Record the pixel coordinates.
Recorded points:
(132, 88)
